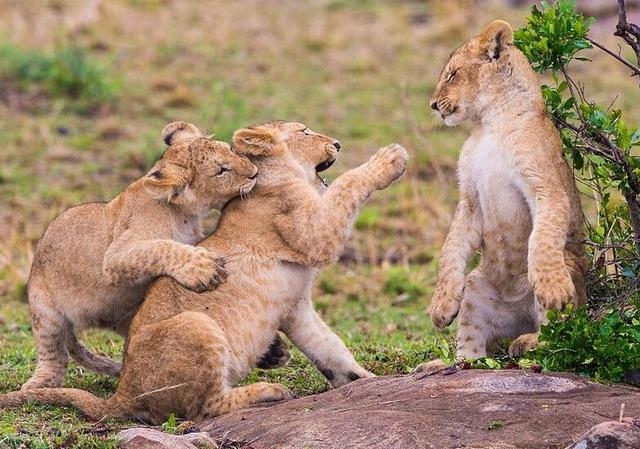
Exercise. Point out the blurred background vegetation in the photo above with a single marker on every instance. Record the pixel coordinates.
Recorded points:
(87, 85)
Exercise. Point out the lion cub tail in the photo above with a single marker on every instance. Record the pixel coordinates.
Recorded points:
(94, 362)
(90, 405)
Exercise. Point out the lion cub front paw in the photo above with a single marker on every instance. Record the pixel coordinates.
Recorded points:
(340, 378)
(388, 164)
(553, 290)
(445, 304)
(203, 271)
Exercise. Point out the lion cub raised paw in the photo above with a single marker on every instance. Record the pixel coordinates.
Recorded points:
(387, 165)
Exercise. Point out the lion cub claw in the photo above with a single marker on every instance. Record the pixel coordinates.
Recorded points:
(203, 272)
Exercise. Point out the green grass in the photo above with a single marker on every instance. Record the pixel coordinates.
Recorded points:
(40, 426)
(64, 73)
(78, 123)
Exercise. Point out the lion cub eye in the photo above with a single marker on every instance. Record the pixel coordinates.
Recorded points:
(451, 75)
(223, 170)
(306, 131)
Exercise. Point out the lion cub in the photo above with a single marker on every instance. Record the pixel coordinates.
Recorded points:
(187, 351)
(518, 202)
(95, 261)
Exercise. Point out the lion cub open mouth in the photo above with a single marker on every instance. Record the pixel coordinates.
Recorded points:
(322, 166)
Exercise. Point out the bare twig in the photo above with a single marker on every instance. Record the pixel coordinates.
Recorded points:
(630, 32)
(635, 71)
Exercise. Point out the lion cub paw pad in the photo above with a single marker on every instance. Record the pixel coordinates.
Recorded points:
(388, 164)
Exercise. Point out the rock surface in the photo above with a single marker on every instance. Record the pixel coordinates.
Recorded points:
(145, 438)
(451, 409)
(623, 434)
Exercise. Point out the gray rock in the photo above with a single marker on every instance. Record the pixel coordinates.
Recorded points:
(146, 438)
(623, 434)
(475, 409)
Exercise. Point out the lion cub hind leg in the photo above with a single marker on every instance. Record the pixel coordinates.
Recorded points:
(87, 359)
(175, 366)
(51, 331)
(528, 341)
(485, 317)
(478, 318)
(525, 339)
(179, 365)
(242, 397)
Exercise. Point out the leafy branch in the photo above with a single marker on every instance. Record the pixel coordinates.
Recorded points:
(596, 140)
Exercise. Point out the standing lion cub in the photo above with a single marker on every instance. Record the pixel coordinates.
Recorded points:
(95, 261)
(518, 202)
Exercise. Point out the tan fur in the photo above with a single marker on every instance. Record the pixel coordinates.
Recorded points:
(518, 202)
(95, 261)
(185, 350)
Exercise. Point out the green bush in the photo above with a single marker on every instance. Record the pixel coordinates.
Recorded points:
(65, 73)
(604, 348)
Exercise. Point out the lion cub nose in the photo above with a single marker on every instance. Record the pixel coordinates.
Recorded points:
(255, 175)
(434, 105)
(337, 145)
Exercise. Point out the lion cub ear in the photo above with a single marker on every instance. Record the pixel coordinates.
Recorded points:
(496, 38)
(255, 141)
(176, 132)
(166, 183)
